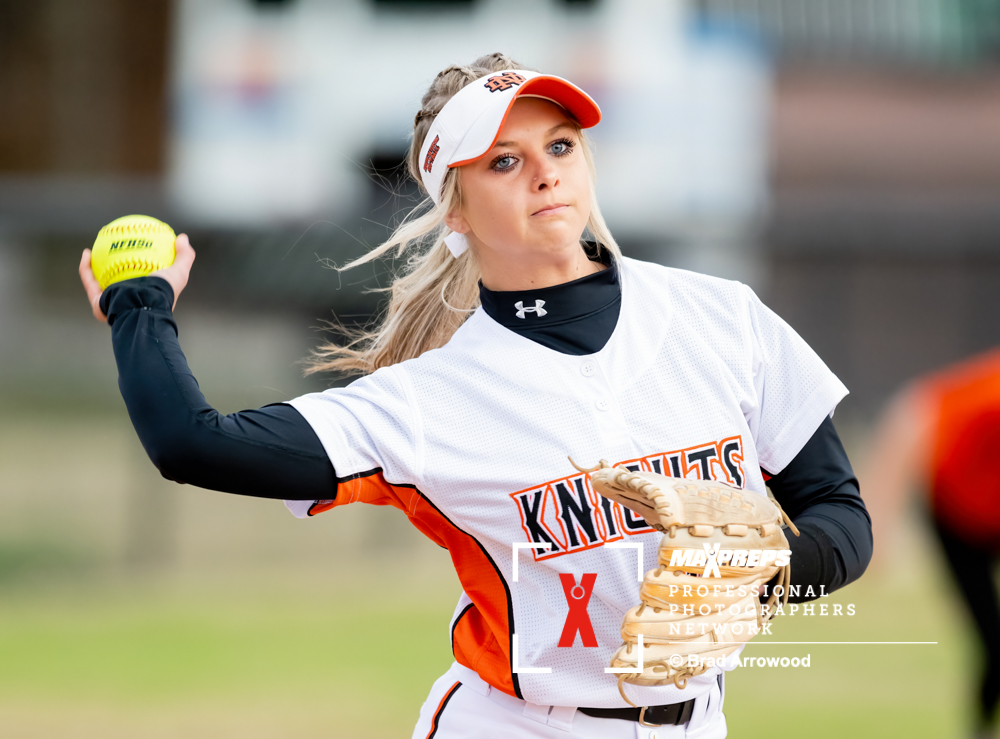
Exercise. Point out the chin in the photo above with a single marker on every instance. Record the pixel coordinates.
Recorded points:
(558, 239)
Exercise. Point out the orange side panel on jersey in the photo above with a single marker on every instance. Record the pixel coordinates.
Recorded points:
(482, 636)
(964, 483)
(476, 647)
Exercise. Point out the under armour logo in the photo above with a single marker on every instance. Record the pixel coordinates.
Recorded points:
(538, 310)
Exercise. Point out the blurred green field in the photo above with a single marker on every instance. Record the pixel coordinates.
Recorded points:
(263, 659)
(220, 661)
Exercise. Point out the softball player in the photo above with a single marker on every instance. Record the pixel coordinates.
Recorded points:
(940, 436)
(509, 344)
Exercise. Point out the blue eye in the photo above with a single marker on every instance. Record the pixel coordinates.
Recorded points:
(562, 147)
(508, 162)
(503, 163)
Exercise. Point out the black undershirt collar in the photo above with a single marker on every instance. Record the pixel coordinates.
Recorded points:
(574, 318)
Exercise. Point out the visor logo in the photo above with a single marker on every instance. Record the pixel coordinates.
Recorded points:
(432, 153)
(504, 81)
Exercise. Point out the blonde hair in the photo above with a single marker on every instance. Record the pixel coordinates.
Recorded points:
(435, 292)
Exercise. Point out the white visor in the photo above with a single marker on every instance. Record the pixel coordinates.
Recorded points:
(469, 124)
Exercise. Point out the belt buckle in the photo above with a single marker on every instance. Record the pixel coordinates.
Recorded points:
(642, 717)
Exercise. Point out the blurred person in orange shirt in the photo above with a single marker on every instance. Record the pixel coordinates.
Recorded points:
(941, 435)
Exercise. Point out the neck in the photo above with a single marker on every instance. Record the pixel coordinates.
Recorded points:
(502, 272)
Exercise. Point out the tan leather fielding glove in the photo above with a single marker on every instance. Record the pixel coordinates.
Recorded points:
(701, 603)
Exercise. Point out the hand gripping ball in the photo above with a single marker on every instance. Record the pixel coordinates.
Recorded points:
(131, 246)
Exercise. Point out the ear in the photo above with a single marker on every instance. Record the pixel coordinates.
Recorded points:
(456, 222)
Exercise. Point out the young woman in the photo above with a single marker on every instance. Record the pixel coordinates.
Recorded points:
(509, 344)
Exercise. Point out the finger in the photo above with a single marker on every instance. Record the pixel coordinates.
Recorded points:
(177, 273)
(91, 285)
(184, 253)
(85, 270)
(183, 259)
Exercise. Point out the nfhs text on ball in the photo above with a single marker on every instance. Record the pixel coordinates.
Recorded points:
(130, 244)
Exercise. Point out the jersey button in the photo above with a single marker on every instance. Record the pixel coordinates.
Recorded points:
(587, 369)
(603, 404)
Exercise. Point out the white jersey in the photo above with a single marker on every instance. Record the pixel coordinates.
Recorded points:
(699, 379)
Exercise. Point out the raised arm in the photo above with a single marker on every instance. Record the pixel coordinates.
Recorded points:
(271, 452)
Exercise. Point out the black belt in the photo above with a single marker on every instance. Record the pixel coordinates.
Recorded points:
(672, 714)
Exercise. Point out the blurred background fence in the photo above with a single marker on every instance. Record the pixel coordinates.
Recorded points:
(840, 156)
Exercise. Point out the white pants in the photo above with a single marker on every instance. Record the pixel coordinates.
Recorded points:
(461, 704)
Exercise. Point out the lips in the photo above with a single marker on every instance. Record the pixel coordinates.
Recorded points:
(550, 209)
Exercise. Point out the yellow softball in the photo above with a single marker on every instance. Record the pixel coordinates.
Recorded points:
(131, 246)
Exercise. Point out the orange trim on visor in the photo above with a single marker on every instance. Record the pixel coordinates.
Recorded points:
(576, 101)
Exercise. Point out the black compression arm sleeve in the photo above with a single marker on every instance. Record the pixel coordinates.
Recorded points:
(271, 452)
(819, 492)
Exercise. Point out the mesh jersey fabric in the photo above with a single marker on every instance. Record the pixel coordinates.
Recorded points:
(699, 379)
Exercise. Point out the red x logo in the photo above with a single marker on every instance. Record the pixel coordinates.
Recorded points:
(578, 596)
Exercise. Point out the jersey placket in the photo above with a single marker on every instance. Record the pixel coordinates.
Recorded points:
(609, 423)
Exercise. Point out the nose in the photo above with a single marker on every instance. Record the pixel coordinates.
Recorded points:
(546, 176)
